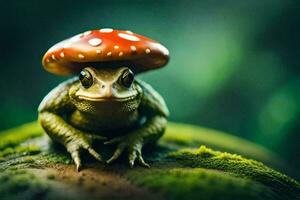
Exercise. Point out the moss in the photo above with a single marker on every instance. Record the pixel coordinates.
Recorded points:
(184, 174)
(15, 136)
(36, 161)
(20, 150)
(203, 157)
(14, 144)
(20, 163)
(183, 135)
(55, 157)
(180, 135)
(179, 183)
(20, 184)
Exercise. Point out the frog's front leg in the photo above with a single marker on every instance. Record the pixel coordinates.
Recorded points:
(55, 105)
(74, 140)
(134, 142)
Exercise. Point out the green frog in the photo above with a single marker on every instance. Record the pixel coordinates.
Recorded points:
(108, 104)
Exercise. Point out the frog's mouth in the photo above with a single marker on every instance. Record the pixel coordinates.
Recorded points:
(105, 95)
(101, 98)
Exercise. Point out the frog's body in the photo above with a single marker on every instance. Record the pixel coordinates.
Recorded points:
(106, 104)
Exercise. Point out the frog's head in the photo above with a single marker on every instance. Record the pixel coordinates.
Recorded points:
(107, 88)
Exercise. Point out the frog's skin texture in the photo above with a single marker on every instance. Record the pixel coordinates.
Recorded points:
(114, 107)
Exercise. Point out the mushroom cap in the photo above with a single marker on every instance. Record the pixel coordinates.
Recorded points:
(105, 48)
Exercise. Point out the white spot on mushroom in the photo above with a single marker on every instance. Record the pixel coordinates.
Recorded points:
(147, 51)
(76, 38)
(47, 60)
(87, 33)
(62, 54)
(133, 48)
(106, 30)
(80, 56)
(128, 37)
(98, 51)
(109, 53)
(53, 56)
(116, 47)
(121, 53)
(95, 42)
(129, 32)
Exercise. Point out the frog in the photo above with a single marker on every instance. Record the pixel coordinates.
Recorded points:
(108, 104)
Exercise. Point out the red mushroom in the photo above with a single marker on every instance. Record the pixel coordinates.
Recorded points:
(105, 48)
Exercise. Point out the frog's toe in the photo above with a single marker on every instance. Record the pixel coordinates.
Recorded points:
(78, 167)
(96, 155)
(142, 162)
(131, 158)
(74, 147)
(76, 158)
(95, 137)
(117, 153)
(114, 140)
(136, 154)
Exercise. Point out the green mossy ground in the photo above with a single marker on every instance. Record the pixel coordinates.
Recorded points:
(204, 157)
(31, 168)
(198, 183)
(20, 184)
(15, 136)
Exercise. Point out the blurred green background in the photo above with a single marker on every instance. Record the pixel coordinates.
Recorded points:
(234, 64)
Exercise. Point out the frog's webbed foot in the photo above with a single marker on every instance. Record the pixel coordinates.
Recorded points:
(134, 146)
(76, 144)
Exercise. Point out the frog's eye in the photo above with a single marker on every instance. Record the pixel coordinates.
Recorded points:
(127, 78)
(86, 78)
